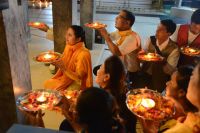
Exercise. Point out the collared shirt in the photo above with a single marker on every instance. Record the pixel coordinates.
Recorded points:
(174, 55)
(191, 36)
(130, 44)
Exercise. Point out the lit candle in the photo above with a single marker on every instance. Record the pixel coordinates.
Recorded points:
(95, 24)
(37, 23)
(192, 50)
(149, 55)
(46, 4)
(40, 3)
(41, 98)
(47, 56)
(148, 103)
(68, 96)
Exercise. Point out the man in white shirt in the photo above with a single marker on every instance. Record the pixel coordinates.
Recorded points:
(124, 43)
(188, 35)
(159, 72)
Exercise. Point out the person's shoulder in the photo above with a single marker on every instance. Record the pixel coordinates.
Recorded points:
(84, 51)
(173, 43)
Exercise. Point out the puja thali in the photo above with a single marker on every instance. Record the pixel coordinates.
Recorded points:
(36, 24)
(47, 57)
(149, 104)
(190, 51)
(39, 100)
(149, 57)
(95, 25)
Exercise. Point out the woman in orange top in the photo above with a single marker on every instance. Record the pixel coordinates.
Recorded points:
(75, 69)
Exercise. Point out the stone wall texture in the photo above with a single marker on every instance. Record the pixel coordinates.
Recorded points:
(15, 69)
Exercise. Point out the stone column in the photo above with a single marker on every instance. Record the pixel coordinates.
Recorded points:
(23, 10)
(62, 19)
(178, 3)
(87, 14)
(14, 68)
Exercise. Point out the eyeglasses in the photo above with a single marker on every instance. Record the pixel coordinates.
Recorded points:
(120, 16)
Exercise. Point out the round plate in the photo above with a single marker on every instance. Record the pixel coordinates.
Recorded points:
(150, 57)
(160, 110)
(41, 57)
(29, 101)
(36, 24)
(95, 25)
(190, 51)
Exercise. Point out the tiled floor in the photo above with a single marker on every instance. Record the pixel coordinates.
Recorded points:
(145, 26)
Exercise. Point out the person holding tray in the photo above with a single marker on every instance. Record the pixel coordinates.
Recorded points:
(191, 123)
(75, 69)
(124, 43)
(111, 77)
(188, 35)
(176, 90)
(158, 73)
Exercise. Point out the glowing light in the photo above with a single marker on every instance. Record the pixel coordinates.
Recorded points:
(192, 50)
(47, 56)
(40, 4)
(149, 55)
(37, 23)
(148, 103)
(95, 24)
(41, 98)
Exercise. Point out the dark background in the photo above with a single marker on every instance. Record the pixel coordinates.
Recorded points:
(3, 4)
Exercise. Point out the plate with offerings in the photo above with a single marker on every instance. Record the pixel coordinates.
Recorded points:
(36, 24)
(149, 104)
(72, 95)
(190, 51)
(39, 100)
(95, 25)
(47, 57)
(149, 57)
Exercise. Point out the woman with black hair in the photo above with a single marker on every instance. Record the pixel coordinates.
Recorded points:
(176, 90)
(111, 77)
(93, 113)
(75, 69)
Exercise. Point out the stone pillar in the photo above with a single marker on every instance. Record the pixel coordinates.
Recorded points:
(14, 68)
(23, 10)
(62, 19)
(87, 14)
(178, 3)
(75, 16)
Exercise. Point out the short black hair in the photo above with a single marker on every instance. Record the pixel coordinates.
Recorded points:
(195, 18)
(94, 108)
(129, 16)
(169, 24)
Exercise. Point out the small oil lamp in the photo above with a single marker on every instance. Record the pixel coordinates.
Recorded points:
(149, 55)
(46, 4)
(68, 96)
(47, 56)
(41, 98)
(40, 4)
(147, 103)
(95, 24)
(36, 23)
(191, 50)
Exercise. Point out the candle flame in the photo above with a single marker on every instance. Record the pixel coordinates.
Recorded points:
(41, 98)
(40, 3)
(148, 103)
(47, 56)
(37, 23)
(192, 50)
(149, 55)
(95, 24)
